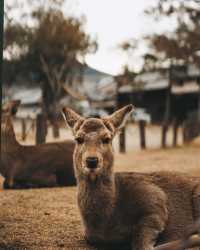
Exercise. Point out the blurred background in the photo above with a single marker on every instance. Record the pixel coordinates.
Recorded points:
(97, 56)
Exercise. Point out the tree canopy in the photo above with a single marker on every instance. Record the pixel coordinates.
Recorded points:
(45, 46)
(181, 46)
(47, 36)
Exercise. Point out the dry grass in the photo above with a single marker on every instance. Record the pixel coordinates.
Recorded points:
(49, 219)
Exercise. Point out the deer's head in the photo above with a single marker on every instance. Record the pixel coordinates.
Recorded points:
(93, 154)
(8, 111)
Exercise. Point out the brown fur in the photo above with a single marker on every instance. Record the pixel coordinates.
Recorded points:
(143, 209)
(49, 164)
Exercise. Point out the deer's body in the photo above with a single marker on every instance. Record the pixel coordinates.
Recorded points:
(144, 209)
(47, 164)
(111, 212)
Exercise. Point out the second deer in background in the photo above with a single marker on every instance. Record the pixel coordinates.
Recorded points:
(43, 165)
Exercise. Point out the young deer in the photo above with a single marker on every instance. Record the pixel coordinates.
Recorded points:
(143, 209)
(49, 164)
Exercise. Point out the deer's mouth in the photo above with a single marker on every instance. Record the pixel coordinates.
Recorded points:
(92, 173)
(92, 170)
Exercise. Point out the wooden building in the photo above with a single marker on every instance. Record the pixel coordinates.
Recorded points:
(150, 90)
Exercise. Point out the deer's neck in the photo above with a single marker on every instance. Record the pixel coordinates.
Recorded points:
(8, 140)
(97, 198)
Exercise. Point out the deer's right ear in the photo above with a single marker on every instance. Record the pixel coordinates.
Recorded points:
(119, 117)
(72, 118)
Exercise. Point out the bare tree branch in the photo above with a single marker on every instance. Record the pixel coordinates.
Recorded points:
(58, 76)
(46, 70)
(74, 94)
(62, 68)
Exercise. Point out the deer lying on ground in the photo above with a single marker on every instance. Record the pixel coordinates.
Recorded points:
(143, 209)
(49, 164)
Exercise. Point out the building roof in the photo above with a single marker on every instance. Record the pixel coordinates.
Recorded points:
(186, 88)
(27, 95)
(157, 80)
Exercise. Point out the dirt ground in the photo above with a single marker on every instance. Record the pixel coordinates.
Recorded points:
(49, 218)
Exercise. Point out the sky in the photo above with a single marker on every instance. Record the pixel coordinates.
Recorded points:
(112, 22)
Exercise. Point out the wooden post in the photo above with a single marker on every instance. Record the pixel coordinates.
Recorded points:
(56, 132)
(167, 111)
(55, 126)
(164, 135)
(41, 128)
(183, 132)
(142, 126)
(122, 140)
(166, 118)
(23, 122)
(175, 132)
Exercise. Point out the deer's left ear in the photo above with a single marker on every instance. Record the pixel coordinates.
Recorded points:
(119, 117)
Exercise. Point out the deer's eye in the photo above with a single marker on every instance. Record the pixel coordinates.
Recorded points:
(106, 140)
(79, 140)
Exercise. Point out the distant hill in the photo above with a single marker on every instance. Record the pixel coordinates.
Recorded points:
(91, 71)
(91, 74)
(15, 75)
(26, 86)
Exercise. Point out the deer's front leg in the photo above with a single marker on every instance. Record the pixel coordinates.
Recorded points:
(152, 217)
(146, 232)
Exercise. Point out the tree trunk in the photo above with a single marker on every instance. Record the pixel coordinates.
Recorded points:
(41, 128)
(55, 128)
(54, 118)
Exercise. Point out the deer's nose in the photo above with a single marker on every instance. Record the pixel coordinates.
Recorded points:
(92, 162)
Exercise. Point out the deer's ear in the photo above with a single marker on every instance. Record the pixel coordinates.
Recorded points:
(71, 117)
(14, 106)
(119, 117)
(11, 107)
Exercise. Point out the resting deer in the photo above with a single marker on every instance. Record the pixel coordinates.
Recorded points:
(143, 209)
(49, 164)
